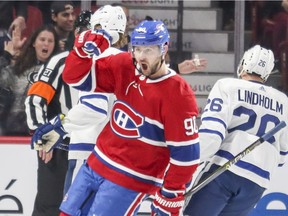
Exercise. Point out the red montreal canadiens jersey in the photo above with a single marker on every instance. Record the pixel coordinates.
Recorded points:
(152, 137)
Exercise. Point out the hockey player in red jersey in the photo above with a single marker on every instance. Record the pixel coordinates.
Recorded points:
(150, 146)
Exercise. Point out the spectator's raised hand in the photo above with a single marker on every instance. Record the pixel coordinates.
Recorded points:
(18, 22)
(17, 41)
(192, 65)
(8, 46)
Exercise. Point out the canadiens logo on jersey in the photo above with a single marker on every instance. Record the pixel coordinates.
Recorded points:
(125, 121)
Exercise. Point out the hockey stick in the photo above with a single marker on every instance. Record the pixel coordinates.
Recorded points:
(229, 163)
(234, 160)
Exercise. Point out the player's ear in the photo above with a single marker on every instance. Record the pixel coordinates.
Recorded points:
(165, 51)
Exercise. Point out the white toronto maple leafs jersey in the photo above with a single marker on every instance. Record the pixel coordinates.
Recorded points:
(85, 121)
(237, 113)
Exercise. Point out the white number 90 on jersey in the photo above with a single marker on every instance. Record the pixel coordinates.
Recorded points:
(190, 126)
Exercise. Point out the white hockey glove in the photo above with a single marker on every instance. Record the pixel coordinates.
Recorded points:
(167, 204)
(50, 135)
(90, 43)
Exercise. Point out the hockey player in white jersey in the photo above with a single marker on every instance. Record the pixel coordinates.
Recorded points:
(86, 120)
(238, 112)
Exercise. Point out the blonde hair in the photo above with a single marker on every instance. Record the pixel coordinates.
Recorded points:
(123, 40)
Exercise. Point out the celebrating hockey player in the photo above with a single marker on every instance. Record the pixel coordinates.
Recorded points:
(239, 111)
(150, 146)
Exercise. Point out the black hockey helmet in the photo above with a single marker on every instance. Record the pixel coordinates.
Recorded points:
(83, 20)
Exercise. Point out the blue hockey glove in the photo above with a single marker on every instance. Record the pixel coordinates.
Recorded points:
(91, 43)
(167, 204)
(50, 135)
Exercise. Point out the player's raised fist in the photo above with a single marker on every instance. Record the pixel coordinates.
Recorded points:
(90, 43)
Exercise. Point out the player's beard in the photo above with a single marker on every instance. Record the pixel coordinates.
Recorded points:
(154, 68)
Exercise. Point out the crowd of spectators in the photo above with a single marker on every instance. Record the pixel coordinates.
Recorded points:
(28, 41)
(24, 17)
(269, 28)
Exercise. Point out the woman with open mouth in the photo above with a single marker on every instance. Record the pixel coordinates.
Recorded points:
(18, 69)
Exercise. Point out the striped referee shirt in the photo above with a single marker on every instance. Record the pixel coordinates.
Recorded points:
(49, 95)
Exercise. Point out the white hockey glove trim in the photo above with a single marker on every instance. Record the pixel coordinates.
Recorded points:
(50, 135)
(170, 206)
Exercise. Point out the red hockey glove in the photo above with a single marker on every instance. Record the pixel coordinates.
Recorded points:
(93, 42)
(164, 206)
